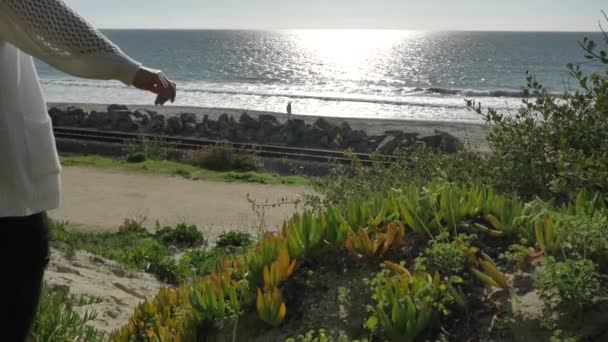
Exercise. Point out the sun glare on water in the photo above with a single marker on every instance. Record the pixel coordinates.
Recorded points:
(350, 55)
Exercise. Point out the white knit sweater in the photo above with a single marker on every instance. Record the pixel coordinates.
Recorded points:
(51, 31)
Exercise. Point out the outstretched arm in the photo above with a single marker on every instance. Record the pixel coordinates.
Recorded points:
(54, 33)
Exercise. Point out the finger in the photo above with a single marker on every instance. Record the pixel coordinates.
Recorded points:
(161, 100)
(162, 80)
(174, 91)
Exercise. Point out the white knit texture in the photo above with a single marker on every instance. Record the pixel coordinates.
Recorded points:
(58, 27)
(51, 31)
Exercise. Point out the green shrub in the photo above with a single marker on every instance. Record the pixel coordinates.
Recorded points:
(234, 239)
(570, 284)
(424, 165)
(516, 257)
(132, 246)
(183, 173)
(150, 148)
(554, 146)
(182, 236)
(132, 226)
(222, 158)
(586, 236)
(137, 157)
(200, 262)
(442, 256)
(321, 336)
(56, 321)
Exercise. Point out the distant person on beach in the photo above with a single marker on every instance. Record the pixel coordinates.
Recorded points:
(288, 110)
(29, 167)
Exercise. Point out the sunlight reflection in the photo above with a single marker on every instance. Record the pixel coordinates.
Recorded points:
(350, 54)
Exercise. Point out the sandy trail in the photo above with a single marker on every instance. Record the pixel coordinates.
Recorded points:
(102, 199)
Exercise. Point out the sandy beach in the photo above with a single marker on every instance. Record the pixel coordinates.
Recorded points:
(472, 134)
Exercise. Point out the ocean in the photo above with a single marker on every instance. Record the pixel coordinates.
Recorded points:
(343, 73)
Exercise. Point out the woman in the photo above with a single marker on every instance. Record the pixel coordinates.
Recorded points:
(29, 167)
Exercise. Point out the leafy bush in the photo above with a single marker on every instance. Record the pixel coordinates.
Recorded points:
(183, 236)
(423, 165)
(442, 256)
(132, 246)
(137, 157)
(554, 146)
(56, 320)
(516, 257)
(200, 262)
(234, 239)
(132, 226)
(571, 284)
(148, 148)
(222, 158)
(586, 236)
(321, 336)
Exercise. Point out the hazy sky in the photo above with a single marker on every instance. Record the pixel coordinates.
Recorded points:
(545, 15)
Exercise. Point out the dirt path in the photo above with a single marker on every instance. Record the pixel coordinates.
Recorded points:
(102, 199)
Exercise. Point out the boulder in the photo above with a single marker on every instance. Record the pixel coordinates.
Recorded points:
(324, 141)
(357, 136)
(266, 129)
(99, 120)
(247, 121)
(268, 119)
(143, 116)
(123, 120)
(442, 141)
(388, 145)
(226, 127)
(174, 125)
(312, 136)
(114, 107)
(157, 124)
(189, 128)
(296, 125)
(188, 118)
(71, 116)
(362, 147)
(325, 125)
(128, 123)
(224, 119)
(277, 138)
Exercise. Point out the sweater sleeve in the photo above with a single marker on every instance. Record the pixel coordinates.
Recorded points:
(54, 33)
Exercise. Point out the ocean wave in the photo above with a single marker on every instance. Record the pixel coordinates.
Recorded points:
(473, 92)
(409, 97)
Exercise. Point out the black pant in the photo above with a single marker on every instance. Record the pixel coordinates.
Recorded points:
(24, 253)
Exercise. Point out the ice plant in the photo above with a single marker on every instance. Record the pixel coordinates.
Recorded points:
(271, 307)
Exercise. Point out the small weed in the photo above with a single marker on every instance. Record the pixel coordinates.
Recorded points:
(571, 284)
(516, 257)
(137, 157)
(222, 158)
(56, 321)
(234, 239)
(182, 236)
(183, 173)
(442, 256)
(149, 149)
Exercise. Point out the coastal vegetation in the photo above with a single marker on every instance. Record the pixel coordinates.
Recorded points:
(447, 247)
(166, 167)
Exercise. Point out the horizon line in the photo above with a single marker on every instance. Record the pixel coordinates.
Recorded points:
(345, 29)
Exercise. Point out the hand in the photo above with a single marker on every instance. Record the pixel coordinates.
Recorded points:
(156, 82)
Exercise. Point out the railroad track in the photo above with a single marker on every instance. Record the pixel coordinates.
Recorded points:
(184, 143)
